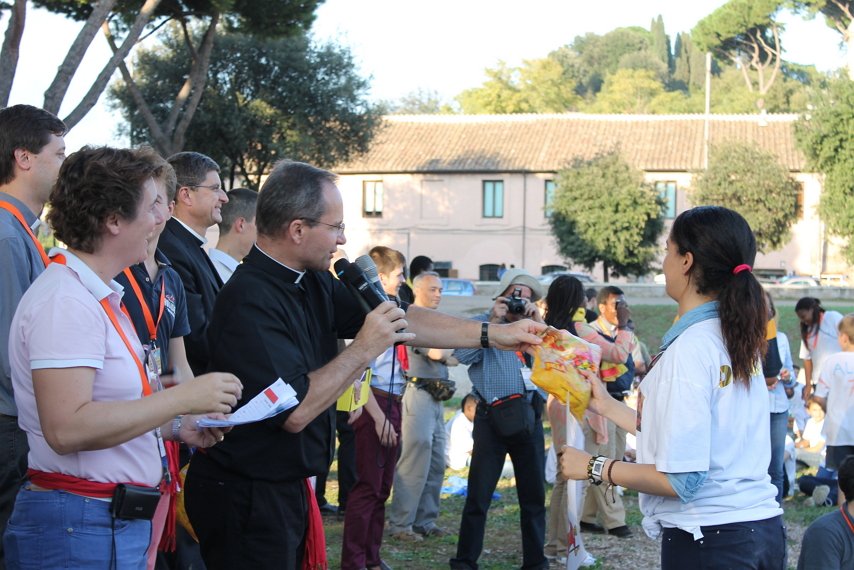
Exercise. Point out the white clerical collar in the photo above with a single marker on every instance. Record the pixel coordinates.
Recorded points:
(203, 239)
(300, 274)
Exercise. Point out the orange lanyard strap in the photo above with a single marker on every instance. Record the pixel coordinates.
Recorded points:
(845, 516)
(146, 312)
(17, 213)
(105, 303)
(143, 377)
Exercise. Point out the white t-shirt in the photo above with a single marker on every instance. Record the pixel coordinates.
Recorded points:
(384, 378)
(460, 441)
(694, 417)
(822, 344)
(836, 383)
(813, 433)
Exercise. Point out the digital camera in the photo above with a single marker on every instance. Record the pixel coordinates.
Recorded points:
(516, 304)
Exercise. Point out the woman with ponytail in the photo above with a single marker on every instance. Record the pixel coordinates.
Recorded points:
(819, 338)
(702, 431)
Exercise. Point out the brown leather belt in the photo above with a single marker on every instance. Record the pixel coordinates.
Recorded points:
(384, 394)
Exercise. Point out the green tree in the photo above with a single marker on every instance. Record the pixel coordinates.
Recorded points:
(745, 33)
(590, 58)
(752, 182)
(660, 42)
(418, 102)
(538, 86)
(689, 67)
(630, 91)
(604, 212)
(265, 99)
(825, 137)
(94, 15)
(839, 15)
(199, 22)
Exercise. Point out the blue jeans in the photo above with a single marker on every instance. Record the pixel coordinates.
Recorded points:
(13, 468)
(754, 545)
(776, 469)
(56, 529)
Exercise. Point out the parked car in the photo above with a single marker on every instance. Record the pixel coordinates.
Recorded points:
(799, 281)
(453, 286)
(549, 277)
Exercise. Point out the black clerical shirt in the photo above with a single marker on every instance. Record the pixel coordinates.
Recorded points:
(266, 326)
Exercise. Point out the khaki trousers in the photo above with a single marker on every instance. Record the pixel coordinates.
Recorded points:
(596, 504)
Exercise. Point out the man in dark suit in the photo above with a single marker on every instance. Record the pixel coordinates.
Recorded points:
(198, 200)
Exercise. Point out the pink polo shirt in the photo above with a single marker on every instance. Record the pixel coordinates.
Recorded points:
(61, 324)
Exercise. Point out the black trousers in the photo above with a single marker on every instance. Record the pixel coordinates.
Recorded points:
(13, 469)
(487, 461)
(754, 545)
(245, 523)
(346, 463)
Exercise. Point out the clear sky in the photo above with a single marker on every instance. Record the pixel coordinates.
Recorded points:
(406, 45)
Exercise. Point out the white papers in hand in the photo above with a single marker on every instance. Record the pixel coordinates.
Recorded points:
(274, 399)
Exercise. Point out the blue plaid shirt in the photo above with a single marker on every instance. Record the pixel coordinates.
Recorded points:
(494, 373)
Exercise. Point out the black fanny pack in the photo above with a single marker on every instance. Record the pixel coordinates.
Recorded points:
(134, 502)
(438, 388)
(512, 416)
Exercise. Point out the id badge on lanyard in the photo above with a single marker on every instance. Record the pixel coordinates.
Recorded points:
(153, 358)
(153, 366)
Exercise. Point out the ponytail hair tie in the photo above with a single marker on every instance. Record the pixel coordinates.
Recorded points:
(739, 268)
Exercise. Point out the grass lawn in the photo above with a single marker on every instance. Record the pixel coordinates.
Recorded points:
(502, 544)
(652, 322)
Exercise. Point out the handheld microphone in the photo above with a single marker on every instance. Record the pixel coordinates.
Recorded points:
(366, 264)
(353, 276)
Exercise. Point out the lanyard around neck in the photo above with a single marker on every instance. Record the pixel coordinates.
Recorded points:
(105, 303)
(17, 213)
(146, 312)
(845, 516)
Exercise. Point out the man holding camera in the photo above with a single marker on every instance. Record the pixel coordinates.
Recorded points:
(508, 420)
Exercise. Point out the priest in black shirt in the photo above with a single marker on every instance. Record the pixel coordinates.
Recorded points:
(280, 316)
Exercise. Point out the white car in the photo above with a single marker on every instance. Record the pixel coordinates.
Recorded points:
(799, 281)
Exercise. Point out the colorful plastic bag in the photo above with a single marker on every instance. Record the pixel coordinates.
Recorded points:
(556, 364)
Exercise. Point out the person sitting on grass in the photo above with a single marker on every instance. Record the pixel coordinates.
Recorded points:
(829, 541)
(810, 448)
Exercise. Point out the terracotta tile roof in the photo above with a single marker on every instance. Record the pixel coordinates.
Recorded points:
(545, 143)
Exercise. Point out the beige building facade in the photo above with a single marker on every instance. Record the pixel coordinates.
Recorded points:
(471, 192)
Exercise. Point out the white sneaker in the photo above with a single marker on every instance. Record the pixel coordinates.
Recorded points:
(819, 495)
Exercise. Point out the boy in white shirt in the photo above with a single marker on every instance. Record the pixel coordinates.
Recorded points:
(835, 390)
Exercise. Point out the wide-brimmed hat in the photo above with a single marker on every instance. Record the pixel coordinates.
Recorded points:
(519, 277)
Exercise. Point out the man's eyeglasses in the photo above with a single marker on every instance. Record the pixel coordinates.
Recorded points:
(215, 188)
(340, 227)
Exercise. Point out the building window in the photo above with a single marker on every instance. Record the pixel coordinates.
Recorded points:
(488, 272)
(549, 197)
(443, 268)
(372, 199)
(546, 269)
(799, 201)
(667, 191)
(493, 198)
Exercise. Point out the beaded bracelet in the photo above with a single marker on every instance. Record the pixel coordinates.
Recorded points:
(611, 486)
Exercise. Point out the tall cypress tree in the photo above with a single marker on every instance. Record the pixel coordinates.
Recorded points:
(660, 44)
